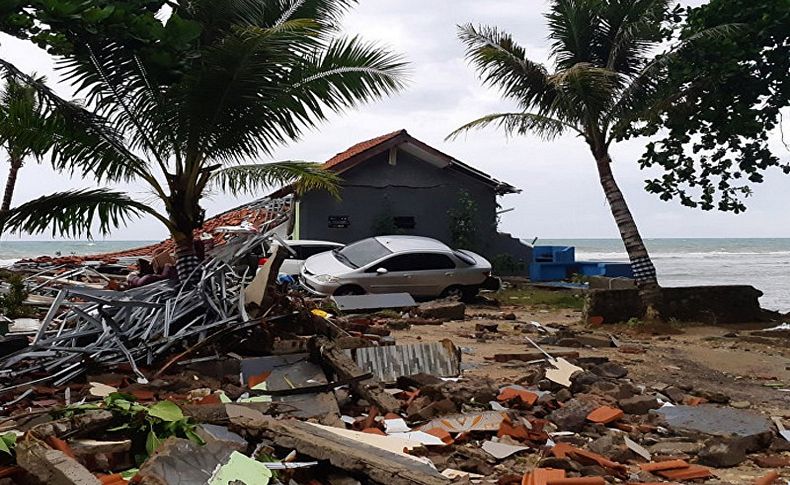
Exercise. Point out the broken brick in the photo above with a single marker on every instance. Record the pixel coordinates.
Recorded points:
(663, 465)
(510, 394)
(605, 415)
(692, 472)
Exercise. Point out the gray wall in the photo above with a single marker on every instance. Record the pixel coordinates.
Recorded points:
(412, 187)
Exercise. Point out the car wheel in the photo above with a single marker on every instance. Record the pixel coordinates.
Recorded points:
(462, 293)
(455, 292)
(349, 290)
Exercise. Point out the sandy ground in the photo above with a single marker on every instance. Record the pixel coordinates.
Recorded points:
(702, 358)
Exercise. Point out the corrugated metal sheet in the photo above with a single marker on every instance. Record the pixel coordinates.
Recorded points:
(390, 362)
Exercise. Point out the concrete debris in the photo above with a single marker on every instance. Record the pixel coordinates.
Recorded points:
(245, 378)
(445, 310)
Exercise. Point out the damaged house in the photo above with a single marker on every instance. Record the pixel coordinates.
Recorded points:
(396, 184)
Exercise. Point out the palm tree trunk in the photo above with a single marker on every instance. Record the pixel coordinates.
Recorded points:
(187, 262)
(644, 271)
(10, 185)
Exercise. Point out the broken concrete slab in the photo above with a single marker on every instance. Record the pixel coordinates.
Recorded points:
(49, 466)
(639, 404)
(723, 453)
(572, 416)
(222, 435)
(354, 456)
(711, 420)
(182, 462)
(442, 310)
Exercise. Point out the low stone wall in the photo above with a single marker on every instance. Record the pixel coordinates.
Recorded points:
(706, 304)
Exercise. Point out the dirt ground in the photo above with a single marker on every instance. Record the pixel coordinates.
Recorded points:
(698, 358)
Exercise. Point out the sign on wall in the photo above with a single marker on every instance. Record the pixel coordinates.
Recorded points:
(339, 222)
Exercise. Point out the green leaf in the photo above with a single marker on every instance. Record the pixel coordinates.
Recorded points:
(119, 428)
(166, 411)
(152, 442)
(7, 442)
(192, 436)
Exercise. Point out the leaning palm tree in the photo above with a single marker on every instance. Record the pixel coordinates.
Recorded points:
(603, 79)
(259, 74)
(24, 131)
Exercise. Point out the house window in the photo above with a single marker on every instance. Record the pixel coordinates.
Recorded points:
(404, 222)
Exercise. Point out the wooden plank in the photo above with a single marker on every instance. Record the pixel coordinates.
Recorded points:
(372, 390)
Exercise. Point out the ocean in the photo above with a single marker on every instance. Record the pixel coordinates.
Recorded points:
(762, 263)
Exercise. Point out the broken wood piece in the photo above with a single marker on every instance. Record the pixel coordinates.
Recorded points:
(353, 453)
(371, 389)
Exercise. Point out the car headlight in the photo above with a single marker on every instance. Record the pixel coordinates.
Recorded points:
(326, 278)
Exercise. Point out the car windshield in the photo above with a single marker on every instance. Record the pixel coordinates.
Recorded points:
(361, 253)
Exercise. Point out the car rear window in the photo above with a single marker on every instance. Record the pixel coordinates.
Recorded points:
(362, 252)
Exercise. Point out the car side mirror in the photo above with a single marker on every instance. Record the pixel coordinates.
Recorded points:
(381, 271)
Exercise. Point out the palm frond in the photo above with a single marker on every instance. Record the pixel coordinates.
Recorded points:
(584, 91)
(518, 124)
(253, 178)
(74, 213)
(302, 86)
(572, 28)
(502, 63)
(82, 141)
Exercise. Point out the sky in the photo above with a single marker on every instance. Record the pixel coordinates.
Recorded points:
(560, 197)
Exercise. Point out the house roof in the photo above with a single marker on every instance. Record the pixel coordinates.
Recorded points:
(257, 214)
(365, 150)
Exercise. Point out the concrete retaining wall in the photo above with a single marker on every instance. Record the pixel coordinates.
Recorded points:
(706, 304)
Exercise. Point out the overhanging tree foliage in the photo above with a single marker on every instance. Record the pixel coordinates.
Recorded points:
(602, 79)
(718, 104)
(186, 105)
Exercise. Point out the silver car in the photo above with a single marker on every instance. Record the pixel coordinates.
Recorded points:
(420, 266)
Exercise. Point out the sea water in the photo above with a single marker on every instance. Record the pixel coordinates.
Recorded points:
(762, 263)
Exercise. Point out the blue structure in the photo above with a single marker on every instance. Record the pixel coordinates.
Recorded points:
(555, 263)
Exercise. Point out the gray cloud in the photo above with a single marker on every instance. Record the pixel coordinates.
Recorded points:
(561, 195)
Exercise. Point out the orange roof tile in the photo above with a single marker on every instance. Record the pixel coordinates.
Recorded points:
(360, 148)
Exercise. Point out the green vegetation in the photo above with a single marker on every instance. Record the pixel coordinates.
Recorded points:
(148, 426)
(603, 78)
(538, 297)
(506, 264)
(463, 222)
(12, 303)
(185, 106)
(723, 99)
(7, 443)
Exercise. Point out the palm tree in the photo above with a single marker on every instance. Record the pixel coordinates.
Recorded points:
(260, 73)
(603, 80)
(23, 131)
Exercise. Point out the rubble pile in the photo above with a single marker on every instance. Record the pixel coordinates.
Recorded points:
(241, 379)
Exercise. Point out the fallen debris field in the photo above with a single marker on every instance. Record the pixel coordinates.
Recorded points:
(241, 379)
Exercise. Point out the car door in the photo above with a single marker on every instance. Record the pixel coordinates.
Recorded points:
(399, 275)
(437, 271)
